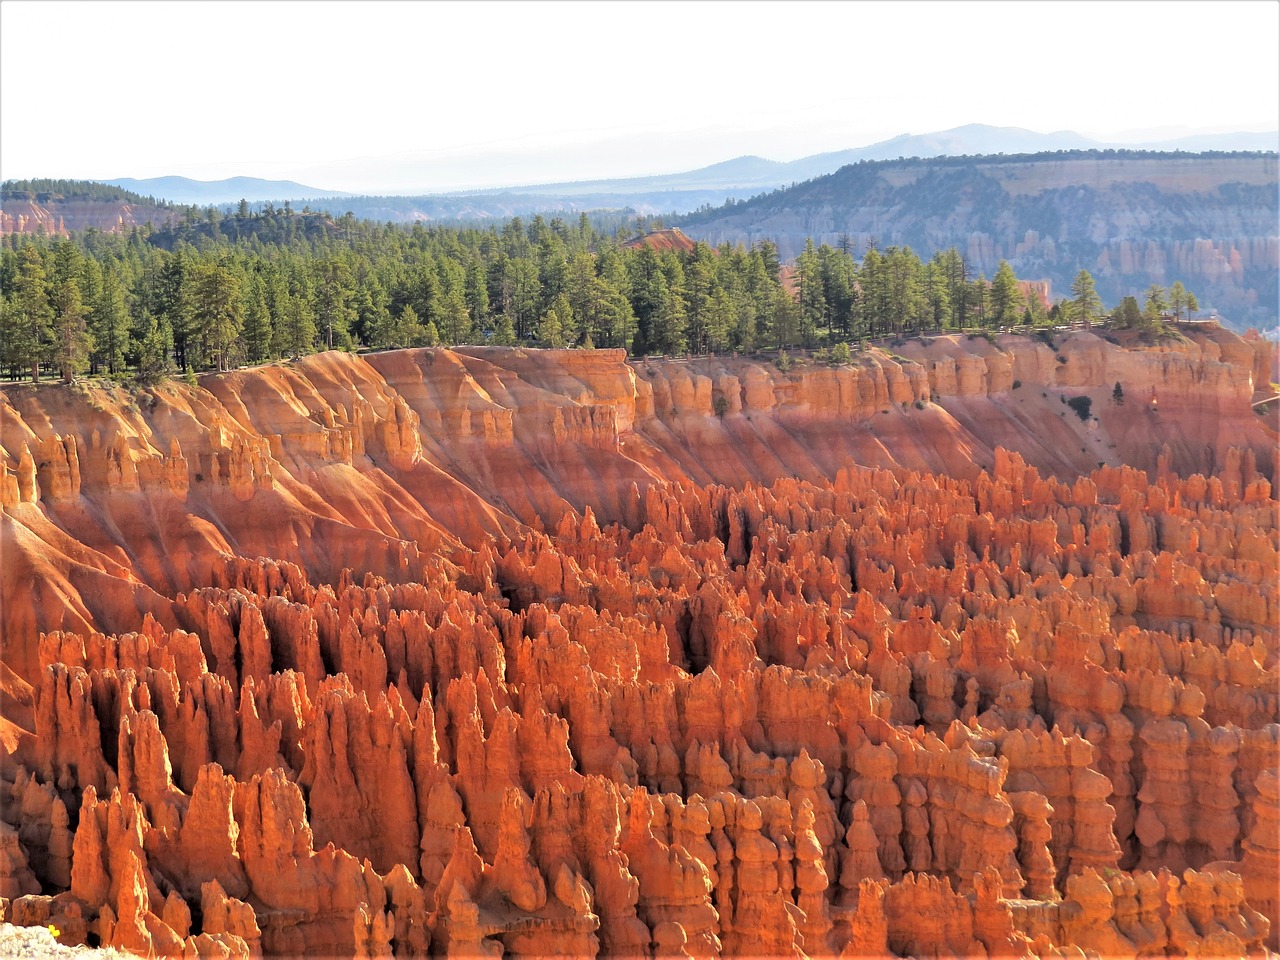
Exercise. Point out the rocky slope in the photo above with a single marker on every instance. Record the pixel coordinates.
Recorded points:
(484, 651)
(1131, 221)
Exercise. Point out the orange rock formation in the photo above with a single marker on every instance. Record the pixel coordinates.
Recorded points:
(485, 653)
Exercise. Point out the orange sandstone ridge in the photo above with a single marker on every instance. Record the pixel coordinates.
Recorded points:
(493, 652)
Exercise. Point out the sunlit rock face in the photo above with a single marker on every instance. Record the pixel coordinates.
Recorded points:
(497, 652)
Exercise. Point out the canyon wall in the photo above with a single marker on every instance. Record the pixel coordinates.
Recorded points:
(486, 652)
(120, 501)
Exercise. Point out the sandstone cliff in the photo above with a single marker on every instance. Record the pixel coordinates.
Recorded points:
(480, 652)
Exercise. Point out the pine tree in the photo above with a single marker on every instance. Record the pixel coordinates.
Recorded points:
(612, 270)
(904, 301)
(257, 332)
(477, 296)
(455, 321)
(215, 313)
(701, 287)
(408, 331)
(378, 325)
(90, 279)
(173, 302)
(279, 304)
(333, 294)
(768, 252)
(109, 323)
(875, 292)
(615, 322)
(552, 266)
(745, 325)
(979, 300)
(1182, 301)
(296, 327)
(1035, 314)
(1006, 299)
(812, 299)
(1156, 302)
(28, 327)
(786, 316)
(71, 341)
(953, 272)
(426, 292)
(155, 347)
(670, 320)
(937, 294)
(720, 320)
(558, 328)
(1085, 304)
(838, 273)
(525, 297)
(1128, 316)
(370, 306)
(648, 290)
(761, 292)
(504, 331)
(585, 292)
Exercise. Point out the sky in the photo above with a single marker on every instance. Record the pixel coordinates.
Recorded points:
(386, 97)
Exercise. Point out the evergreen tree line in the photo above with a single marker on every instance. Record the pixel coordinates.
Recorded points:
(895, 293)
(219, 291)
(43, 191)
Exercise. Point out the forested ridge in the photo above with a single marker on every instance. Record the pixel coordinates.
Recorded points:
(217, 291)
(1131, 218)
(44, 191)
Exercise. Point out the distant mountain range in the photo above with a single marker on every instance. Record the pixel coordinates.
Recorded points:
(975, 139)
(232, 190)
(739, 178)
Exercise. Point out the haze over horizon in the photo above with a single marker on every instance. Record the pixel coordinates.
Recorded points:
(413, 97)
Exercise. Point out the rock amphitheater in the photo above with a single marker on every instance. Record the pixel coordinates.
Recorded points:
(485, 653)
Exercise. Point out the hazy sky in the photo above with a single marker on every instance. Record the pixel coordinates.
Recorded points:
(449, 95)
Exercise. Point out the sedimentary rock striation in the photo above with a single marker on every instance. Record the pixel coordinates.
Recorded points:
(487, 653)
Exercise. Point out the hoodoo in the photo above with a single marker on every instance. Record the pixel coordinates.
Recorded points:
(967, 649)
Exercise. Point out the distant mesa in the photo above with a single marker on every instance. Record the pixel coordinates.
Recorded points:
(1132, 219)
